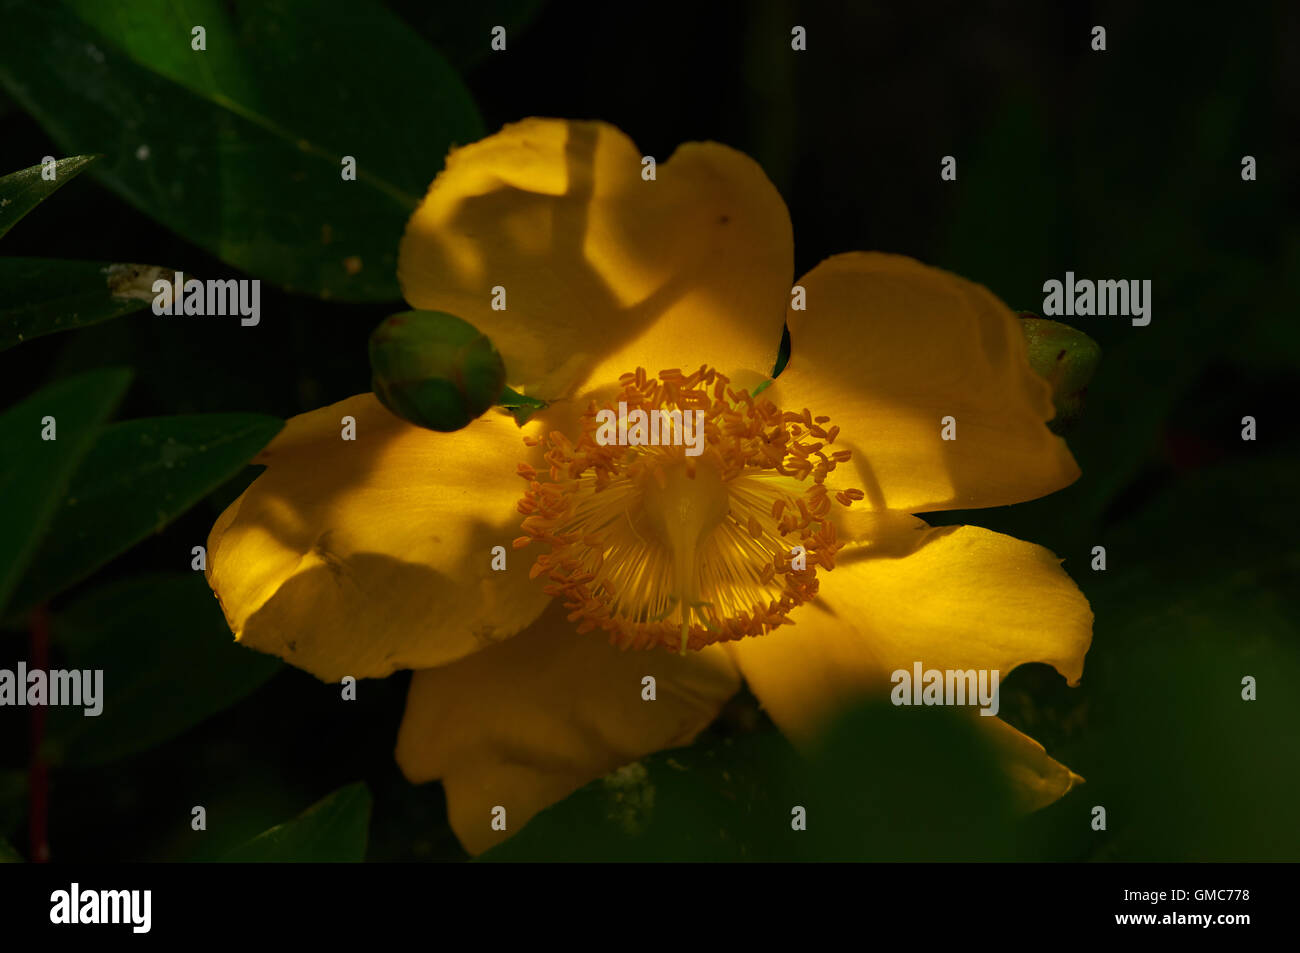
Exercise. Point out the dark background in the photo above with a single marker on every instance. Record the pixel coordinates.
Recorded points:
(1119, 164)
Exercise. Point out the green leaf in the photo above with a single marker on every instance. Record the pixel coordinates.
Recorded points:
(1169, 707)
(332, 830)
(168, 659)
(138, 477)
(239, 147)
(711, 801)
(1198, 593)
(45, 295)
(885, 783)
(35, 471)
(7, 853)
(520, 405)
(22, 191)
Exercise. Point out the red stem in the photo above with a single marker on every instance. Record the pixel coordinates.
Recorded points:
(37, 776)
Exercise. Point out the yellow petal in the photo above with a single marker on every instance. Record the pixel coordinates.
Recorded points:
(1036, 779)
(360, 557)
(888, 348)
(693, 267)
(525, 723)
(962, 598)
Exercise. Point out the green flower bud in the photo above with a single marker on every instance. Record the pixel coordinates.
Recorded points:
(434, 370)
(1066, 358)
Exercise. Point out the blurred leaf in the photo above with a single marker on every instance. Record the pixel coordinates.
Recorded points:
(245, 810)
(410, 823)
(885, 784)
(332, 830)
(239, 147)
(1193, 772)
(169, 662)
(7, 853)
(717, 800)
(22, 191)
(46, 295)
(911, 784)
(34, 472)
(1238, 516)
(1199, 592)
(138, 477)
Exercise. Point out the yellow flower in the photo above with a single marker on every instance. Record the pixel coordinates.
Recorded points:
(363, 557)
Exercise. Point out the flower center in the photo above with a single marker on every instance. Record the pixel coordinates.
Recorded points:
(684, 513)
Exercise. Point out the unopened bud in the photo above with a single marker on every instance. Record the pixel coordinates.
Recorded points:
(434, 370)
(1066, 358)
